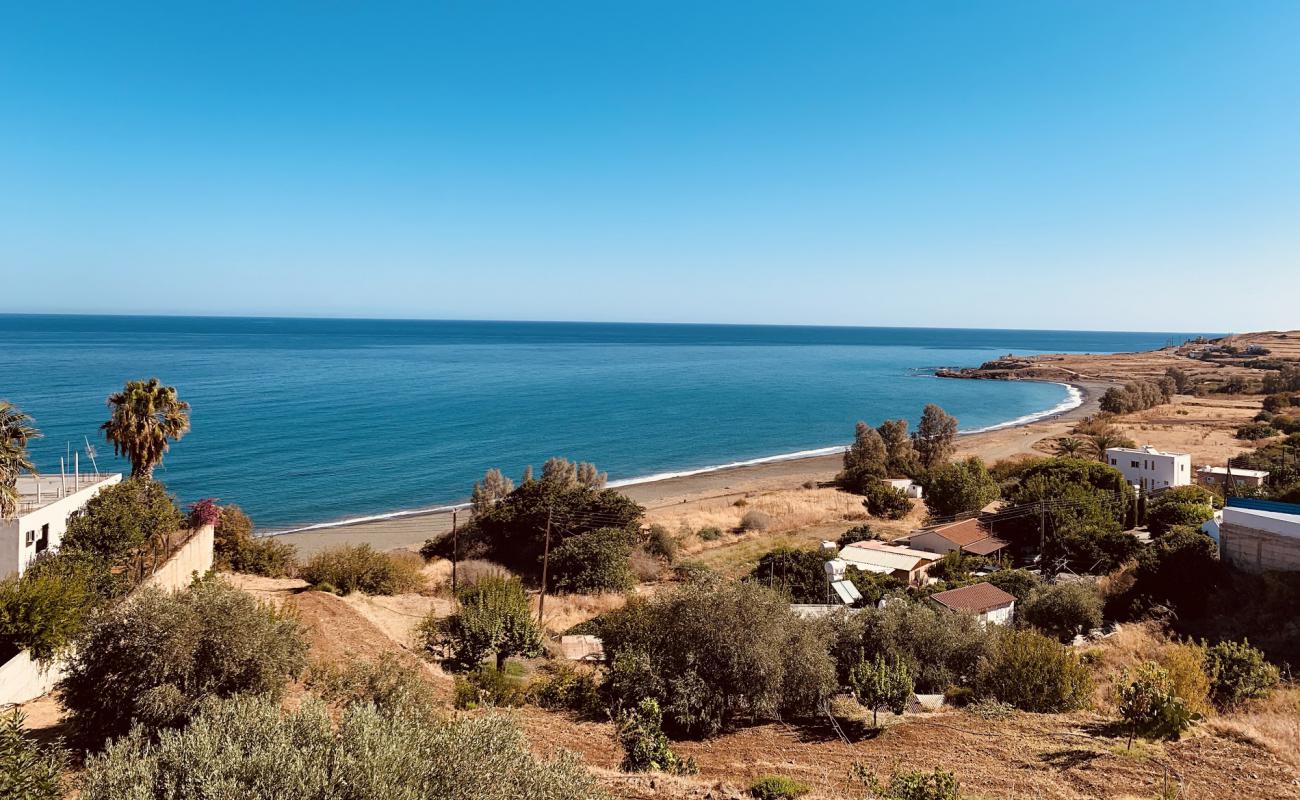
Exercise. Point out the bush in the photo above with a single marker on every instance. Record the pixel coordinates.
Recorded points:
(1238, 672)
(1255, 431)
(490, 687)
(249, 747)
(388, 682)
(661, 543)
(645, 748)
(709, 652)
(939, 649)
(121, 518)
(563, 685)
(755, 520)
(42, 611)
(959, 487)
(858, 533)
(593, 562)
(1181, 505)
(873, 586)
(777, 787)
(237, 550)
(155, 658)
(1185, 664)
(1179, 570)
(1136, 396)
(798, 573)
(27, 771)
(709, 533)
(1063, 610)
(912, 785)
(494, 617)
(1148, 705)
(1033, 673)
(1019, 582)
(360, 568)
(877, 683)
(886, 502)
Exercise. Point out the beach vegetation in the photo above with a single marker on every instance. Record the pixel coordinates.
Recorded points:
(567, 500)
(1063, 610)
(361, 568)
(250, 747)
(959, 487)
(155, 659)
(28, 771)
(886, 502)
(901, 459)
(494, 488)
(711, 653)
(596, 561)
(865, 462)
(17, 430)
(935, 437)
(493, 618)
(755, 520)
(145, 417)
(121, 518)
(1033, 672)
(236, 548)
(709, 533)
(798, 573)
(661, 543)
(1071, 447)
(1137, 396)
(939, 649)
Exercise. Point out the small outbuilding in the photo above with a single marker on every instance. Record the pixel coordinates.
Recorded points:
(990, 604)
(889, 559)
(968, 535)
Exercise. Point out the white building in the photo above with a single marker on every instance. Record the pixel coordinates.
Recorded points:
(44, 505)
(907, 486)
(989, 604)
(1257, 540)
(1150, 469)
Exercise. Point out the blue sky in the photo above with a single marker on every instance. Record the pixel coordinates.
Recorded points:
(1116, 165)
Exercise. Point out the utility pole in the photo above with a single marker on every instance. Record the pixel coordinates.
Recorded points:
(1042, 536)
(546, 557)
(455, 550)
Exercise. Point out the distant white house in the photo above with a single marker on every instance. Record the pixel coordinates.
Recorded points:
(889, 559)
(907, 486)
(44, 505)
(1150, 469)
(991, 605)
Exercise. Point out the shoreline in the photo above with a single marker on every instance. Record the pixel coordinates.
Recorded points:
(406, 528)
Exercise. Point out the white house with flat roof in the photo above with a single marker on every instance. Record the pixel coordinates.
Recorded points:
(44, 505)
(1149, 468)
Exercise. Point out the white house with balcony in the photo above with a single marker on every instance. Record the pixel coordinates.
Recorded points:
(44, 505)
(1149, 468)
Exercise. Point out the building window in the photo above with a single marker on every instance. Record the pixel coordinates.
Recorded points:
(1133, 464)
(31, 537)
(1113, 462)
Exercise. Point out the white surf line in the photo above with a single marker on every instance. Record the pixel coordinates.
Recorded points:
(1073, 400)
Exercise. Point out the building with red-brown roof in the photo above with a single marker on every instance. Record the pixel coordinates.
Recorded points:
(986, 601)
(968, 535)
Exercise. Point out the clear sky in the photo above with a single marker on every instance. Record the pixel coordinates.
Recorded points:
(1121, 165)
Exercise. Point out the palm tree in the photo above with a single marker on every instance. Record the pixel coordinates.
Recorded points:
(16, 430)
(145, 414)
(1069, 446)
(1101, 442)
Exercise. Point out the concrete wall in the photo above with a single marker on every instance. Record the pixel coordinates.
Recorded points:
(22, 679)
(1257, 550)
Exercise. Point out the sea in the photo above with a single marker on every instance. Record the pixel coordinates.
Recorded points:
(310, 421)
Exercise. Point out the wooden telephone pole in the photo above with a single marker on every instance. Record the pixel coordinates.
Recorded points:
(455, 551)
(546, 557)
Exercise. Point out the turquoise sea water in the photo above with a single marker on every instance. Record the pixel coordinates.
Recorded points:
(304, 421)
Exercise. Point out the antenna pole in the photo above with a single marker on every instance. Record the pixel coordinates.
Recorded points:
(546, 556)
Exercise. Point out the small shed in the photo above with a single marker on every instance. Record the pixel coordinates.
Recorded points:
(582, 648)
(986, 601)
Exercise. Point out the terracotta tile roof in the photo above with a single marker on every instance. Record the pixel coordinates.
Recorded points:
(977, 598)
(985, 547)
(968, 531)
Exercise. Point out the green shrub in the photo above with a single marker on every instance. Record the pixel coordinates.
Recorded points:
(494, 618)
(912, 785)
(1018, 582)
(597, 561)
(121, 518)
(154, 659)
(645, 747)
(958, 696)
(237, 550)
(959, 487)
(491, 687)
(43, 611)
(360, 568)
(885, 501)
(777, 787)
(709, 533)
(1063, 610)
(1148, 704)
(247, 747)
(1033, 673)
(1181, 505)
(858, 533)
(659, 542)
(877, 683)
(1255, 431)
(27, 770)
(939, 649)
(388, 682)
(565, 686)
(1238, 672)
(799, 573)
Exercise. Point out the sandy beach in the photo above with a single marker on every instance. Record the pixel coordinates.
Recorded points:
(409, 532)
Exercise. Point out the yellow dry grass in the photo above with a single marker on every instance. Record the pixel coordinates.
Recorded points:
(563, 611)
(1273, 724)
(789, 509)
(1205, 427)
